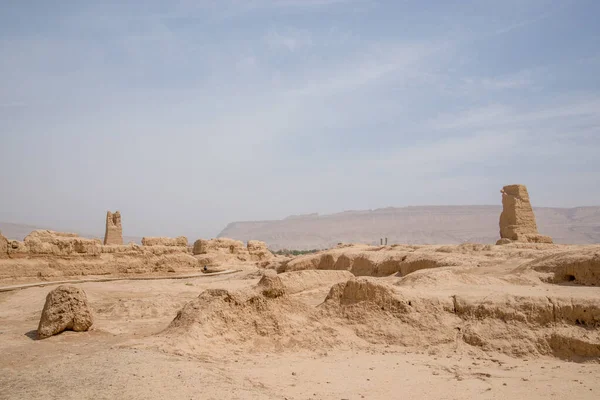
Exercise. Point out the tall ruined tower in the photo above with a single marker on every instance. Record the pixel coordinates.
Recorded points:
(517, 221)
(114, 231)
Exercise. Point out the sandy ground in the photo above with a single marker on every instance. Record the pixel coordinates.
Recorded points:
(108, 361)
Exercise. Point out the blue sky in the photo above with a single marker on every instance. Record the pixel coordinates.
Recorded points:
(187, 115)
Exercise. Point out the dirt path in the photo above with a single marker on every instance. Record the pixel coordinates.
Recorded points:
(112, 279)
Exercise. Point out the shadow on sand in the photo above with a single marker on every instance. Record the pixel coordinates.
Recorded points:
(33, 335)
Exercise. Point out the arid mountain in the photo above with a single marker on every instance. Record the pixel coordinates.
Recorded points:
(413, 225)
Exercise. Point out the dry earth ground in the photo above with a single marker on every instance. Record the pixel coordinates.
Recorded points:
(128, 355)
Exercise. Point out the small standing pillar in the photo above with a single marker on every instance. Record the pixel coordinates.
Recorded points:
(114, 230)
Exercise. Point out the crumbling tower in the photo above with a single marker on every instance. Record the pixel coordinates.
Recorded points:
(517, 221)
(114, 231)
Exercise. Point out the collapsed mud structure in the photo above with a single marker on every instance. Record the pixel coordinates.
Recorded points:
(180, 241)
(114, 230)
(442, 309)
(3, 246)
(46, 254)
(517, 221)
(223, 250)
(66, 308)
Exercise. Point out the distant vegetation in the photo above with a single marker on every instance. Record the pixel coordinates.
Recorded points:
(286, 252)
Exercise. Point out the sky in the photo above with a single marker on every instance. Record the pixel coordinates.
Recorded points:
(187, 115)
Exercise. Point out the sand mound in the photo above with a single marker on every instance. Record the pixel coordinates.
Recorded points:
(254, 319)
(310, 261)
(380, 314)
(300, 281)
(536, 310)
(66, 308)
(515, 325)
(579, 267)
(271, 286)
(497, 316)
(364, 291)
(128, 308)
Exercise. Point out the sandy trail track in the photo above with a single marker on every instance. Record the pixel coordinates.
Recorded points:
(112, 279)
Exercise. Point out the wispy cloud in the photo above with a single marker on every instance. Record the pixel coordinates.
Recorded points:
(500, 83)
(369, 66)
(542, 10)
(498, 115)
(291, 39)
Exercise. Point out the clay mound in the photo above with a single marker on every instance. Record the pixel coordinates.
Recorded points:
(223, 245)
(248, 318)
(134, 249)
(579, 267)
(369, 294)
(368, 263)
(376, 260)
(3, 246)
(174, 262)
(450, 277)
(536, 310)
(311, 261)
(568, 343)
(522, 326)
(46, 235)
(300, 281)
(271, 286)
(363, 311)
(259, 251)
(66, 308)
(517, 325)
(223, 251)
(465, 248)
(415, 262)
(180, 241)
(356, 291)
(381, 314)
(46, 242)
(128, 308)
(130, 262)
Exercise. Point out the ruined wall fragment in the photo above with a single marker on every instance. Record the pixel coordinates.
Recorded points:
(517, 221)
(180, 241)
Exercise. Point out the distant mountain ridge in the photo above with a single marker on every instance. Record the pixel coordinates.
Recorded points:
(413, 225)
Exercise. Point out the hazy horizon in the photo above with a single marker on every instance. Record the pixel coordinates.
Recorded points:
(130, 232)
(190, 115)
